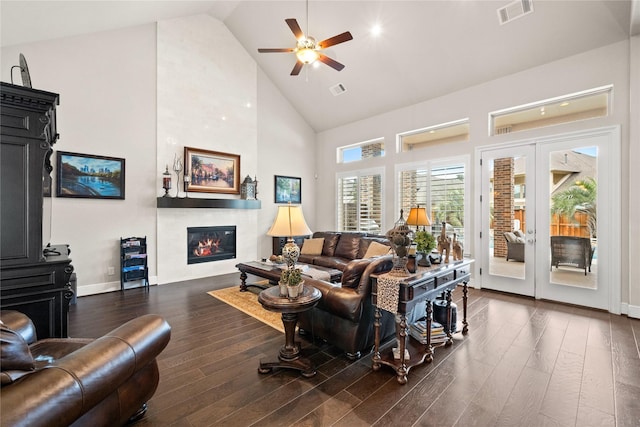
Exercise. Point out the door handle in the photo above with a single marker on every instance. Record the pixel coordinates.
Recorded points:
(532, 241)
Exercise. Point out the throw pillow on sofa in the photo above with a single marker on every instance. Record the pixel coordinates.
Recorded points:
(312, 246)
(376, 249)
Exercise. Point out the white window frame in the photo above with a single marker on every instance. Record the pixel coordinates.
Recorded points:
(440, 126)
(340, 150)
(361, 173)
(429, 165)
(493, 115)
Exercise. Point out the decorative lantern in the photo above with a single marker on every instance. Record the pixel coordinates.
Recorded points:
(400, 237)
(248, 189)
(166, 182)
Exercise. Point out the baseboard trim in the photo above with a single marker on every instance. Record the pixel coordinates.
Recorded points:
(633, 311)
(102, 288)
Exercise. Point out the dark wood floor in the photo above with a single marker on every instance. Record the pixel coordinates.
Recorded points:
(524, 363)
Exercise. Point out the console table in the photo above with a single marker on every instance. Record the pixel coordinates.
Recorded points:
(425, 285)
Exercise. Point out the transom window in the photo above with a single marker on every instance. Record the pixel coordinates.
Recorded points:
(564, 109)
(438, 134)
(361, 151)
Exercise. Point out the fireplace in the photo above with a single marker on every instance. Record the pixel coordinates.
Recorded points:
(206, 244)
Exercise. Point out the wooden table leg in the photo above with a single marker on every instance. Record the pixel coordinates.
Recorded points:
(377, 315)
(402, 334)
(243, 281)
(448, 326)
(289, 356)
(429, 310)
(465, 324)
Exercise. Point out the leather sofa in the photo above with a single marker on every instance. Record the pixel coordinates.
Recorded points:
(344, 315)
(67, 381)
(340, 248)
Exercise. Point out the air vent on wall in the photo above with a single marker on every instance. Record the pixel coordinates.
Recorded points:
(514, 10)
(338, 89)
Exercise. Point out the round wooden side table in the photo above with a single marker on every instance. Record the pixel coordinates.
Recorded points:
(289, 356)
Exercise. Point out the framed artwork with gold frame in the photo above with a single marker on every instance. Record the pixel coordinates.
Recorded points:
(212, 171)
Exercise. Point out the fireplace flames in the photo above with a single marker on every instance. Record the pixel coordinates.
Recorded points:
(207, 247)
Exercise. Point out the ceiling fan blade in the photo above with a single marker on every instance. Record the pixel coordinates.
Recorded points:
(295, 28)
(269, 50)
(296, 68)
(330, 62)
(340, 38)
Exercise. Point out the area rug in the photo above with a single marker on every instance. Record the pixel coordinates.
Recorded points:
(247, 302)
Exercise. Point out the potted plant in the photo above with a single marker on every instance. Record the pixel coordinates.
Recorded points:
(291, 282)
(425, 243)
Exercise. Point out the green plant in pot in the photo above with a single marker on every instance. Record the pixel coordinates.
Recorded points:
(425, 243)
(291, 282)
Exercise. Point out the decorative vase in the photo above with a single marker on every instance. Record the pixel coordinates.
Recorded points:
(283, 289)
(423, 261)
(295, 290)
(400, 238)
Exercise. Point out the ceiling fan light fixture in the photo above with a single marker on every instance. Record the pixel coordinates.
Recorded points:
(307, 55)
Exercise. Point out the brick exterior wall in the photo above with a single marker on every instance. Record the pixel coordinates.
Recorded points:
(503, 182)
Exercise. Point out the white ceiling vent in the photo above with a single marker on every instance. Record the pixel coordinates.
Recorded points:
(338, 89)
(514, 10)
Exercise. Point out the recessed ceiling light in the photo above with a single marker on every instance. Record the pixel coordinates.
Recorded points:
(564, 104)
(376, 30)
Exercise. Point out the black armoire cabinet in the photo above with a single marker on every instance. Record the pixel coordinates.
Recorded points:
(32, 280)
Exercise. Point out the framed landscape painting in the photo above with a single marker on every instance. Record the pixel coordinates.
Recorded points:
(212, 171)
(89, 176)
(288, 189)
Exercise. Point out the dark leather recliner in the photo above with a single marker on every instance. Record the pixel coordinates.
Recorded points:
(344, 315)
(101, 382)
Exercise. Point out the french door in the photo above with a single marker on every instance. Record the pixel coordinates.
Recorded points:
(550, 212)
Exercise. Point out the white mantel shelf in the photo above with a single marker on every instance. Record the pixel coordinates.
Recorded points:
(189, 202)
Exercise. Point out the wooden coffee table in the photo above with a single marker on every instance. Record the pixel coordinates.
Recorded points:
(271, 272)
(289, 356)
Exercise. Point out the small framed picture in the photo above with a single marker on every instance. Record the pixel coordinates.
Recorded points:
(288, 189)
(89, 176)
(212, 171)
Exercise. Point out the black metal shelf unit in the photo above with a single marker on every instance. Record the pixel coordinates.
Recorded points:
(133, 261)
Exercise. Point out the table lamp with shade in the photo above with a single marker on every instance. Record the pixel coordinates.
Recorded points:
(418, 217)
(289, 223)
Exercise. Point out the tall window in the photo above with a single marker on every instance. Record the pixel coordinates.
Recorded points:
(441, 188)
(360, 201)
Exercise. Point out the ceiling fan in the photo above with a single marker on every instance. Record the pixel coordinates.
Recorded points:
(307, 50)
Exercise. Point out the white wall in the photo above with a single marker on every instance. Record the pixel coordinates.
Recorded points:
(286, 146)
(107, 87)
(207, 103)
(109, 99)
(599, 67)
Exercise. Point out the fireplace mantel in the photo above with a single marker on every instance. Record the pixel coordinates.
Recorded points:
(192, 202)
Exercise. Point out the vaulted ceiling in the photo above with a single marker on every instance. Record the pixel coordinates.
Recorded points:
(425, 48)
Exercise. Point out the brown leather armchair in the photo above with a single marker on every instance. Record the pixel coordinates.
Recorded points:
(344, 315)
(66, 381)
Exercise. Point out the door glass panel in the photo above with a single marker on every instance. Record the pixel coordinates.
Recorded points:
(573, 217)
(507, 204)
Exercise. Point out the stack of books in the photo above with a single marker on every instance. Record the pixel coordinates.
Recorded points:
(418, 331)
